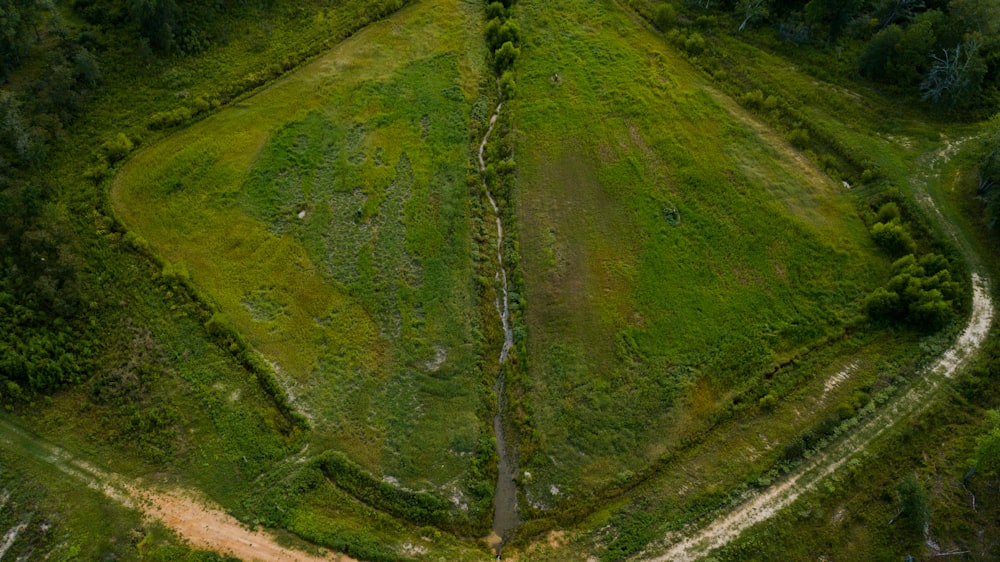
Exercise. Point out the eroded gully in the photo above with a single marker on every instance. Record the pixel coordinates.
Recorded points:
(505, 517)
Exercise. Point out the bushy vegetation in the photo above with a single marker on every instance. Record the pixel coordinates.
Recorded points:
(921, 290)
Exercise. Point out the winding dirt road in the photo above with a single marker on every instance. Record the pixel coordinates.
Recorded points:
(766, 504)
(202, 525)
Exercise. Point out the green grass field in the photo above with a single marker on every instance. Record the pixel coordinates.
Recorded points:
(674, 248)
(328, 217)
(687, 290)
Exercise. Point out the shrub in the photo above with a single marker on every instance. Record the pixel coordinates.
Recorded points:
(117, 148)
(507, 86)
(799, 138)
(894, 238)
(665, 16)
(882, 303)
(888, 212)
(504, 57)
(753, 99)
(167, 119)
(768, 402)
(495, 10)
(175, 274)
(694, 44)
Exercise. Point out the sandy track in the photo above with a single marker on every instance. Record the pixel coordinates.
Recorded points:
(201, 524)
(766, 504)
(212, 529)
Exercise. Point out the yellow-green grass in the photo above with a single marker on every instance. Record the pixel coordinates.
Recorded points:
(673, 249)
(389, 379)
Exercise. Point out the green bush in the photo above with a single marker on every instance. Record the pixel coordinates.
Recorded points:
(799, 138)
(888, 212)
(894, 238)
(768, 402)
(504, 57)
(508, 88)
(167, 119)
(117, 148)
(665, 16)
(496, 10)
(694, 44)
(920, 292)
(418, 507)
(752, 99)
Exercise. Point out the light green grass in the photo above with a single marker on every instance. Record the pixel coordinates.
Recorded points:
(673, 249)
(357, 301)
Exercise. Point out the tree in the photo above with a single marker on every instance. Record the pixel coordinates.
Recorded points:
(751, 10)
(879, 54)
(901, 11)
(18, 19)
(505, 56)
(831, 14)
(914, 503)
(987, 456)
(157, 21)
(665, 16)
(956, 77)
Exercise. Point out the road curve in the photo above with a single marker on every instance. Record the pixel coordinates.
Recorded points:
(766, 504)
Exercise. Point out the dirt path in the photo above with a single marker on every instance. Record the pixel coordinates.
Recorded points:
(198, 522)
(766, 504)
(212, 529)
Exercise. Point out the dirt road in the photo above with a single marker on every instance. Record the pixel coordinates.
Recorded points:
(766, 504)
(201, 524)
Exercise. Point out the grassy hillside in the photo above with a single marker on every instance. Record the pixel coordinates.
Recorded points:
(328, 218)
(687, 240)
(674, 249)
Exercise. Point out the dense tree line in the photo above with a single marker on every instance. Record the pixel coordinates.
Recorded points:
(49, 68)
(947, 52)
(41, 321)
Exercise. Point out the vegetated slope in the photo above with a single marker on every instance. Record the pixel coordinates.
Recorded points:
(672, 252)
(195, 521)
(808, 477)
(327, 217)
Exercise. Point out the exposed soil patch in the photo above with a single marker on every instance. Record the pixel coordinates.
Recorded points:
(202, 525)
(212, 529)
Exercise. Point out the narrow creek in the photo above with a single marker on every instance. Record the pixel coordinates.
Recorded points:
(505, 517)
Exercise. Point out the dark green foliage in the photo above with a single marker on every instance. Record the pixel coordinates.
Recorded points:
(419, 507)
(665, 16)
(18, 28)
(987, 456)
(496, 10)
(695, 43)
(894, 237)
(504, 57)
(879, 53)
(507, 86)
(44, 346)
(920, 292)
(888, 212)
(832, 15)
(914, 503)
(157, 21)
(986, 160)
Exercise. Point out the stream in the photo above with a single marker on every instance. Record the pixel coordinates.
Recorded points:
(505, 517)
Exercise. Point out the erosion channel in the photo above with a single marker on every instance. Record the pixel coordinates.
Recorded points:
(505, 518)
